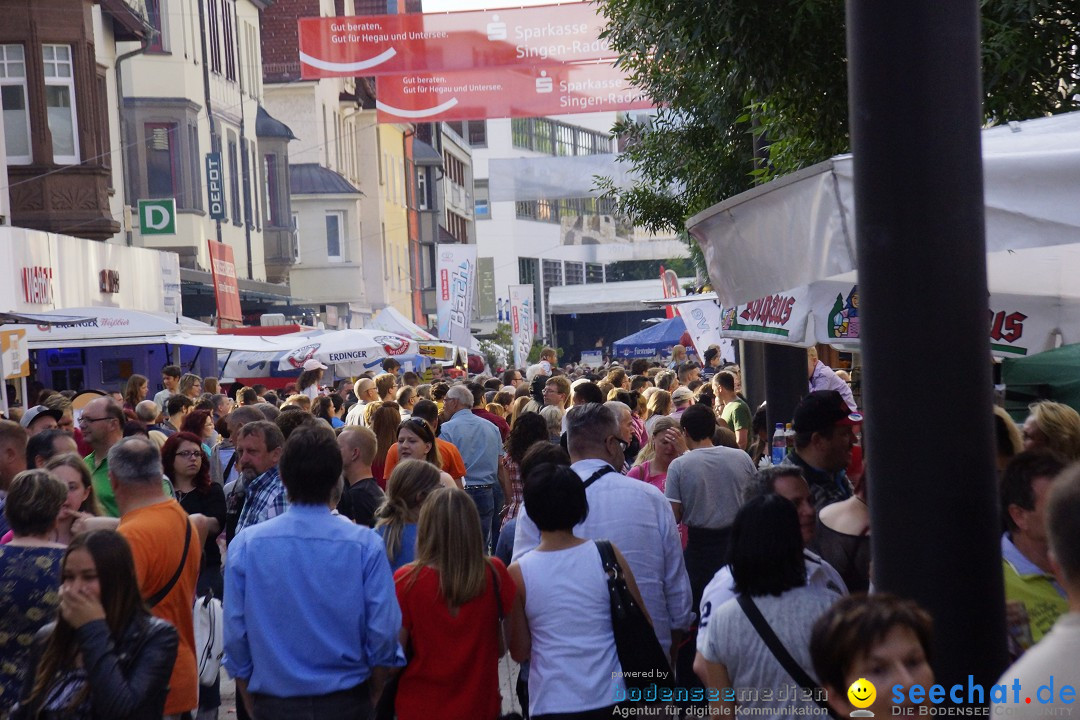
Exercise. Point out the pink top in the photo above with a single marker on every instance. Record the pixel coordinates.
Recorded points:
(641, 472)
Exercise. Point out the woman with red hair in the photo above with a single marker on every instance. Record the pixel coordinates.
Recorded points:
(188, 468)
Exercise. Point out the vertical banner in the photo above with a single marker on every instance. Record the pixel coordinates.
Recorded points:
(521, 322)
(704, 322)
(226, 286)
(456, 268)
(170, 283)
(215, 186)
(485, 282)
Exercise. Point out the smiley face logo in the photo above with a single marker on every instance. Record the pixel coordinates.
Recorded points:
(862, 693)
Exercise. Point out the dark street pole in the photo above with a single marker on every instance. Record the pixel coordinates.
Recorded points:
(786, 381)
(915, 119)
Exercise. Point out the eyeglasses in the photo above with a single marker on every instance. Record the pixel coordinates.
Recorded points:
(190, 454)
(622, 443)
(84, 420)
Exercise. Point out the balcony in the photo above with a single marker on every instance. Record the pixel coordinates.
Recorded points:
(72, 201)
(279, 253)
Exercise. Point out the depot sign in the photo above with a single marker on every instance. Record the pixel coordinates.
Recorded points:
(508, 92)
(389, 44)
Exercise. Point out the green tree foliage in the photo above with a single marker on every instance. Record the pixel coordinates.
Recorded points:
(725, 71)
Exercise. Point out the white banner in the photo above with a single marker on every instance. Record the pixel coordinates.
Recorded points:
(456, 270)
(704, 321)
(780, 318)
(522, 316)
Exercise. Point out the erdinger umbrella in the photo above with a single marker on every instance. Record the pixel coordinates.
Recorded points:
(349, 352)
(654, 340)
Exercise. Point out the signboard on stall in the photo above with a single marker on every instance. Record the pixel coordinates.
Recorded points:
(522, 315)
(439, 42)
(16, 361)
(526, 91)
(456, 286)
(777, 318)
(226, 285)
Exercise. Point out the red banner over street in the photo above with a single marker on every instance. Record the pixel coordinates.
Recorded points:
(226, 286)
(506, 92)
(414, 42)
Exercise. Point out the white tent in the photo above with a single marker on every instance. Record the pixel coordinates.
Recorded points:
(105, 326)
(349, 352)
(781, 255)
(390, 319)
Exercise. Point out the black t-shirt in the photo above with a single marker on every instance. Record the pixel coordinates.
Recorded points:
(212, 504)
(360, 501)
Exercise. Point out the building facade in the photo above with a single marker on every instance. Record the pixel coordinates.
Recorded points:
(190, 128)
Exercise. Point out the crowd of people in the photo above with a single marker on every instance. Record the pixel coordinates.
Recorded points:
(381, 544)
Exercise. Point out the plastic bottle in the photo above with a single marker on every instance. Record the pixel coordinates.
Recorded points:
(779, 444)
(790, 434)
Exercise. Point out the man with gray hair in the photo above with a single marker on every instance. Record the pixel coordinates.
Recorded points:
(258, 494)
(147, 412)
(666, 380)
(634, 515)
(365, 392)
(166, 546)
(480, 445)
(223, 459)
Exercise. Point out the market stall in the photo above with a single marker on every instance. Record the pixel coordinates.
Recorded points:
(652, 341)
(781, 257)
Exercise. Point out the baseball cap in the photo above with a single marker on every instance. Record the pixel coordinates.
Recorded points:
(313, 364)
(682, 394)
(37, 411)
(823, 409)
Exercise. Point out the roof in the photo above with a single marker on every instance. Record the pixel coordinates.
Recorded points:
(605, 297)
(129, 18)
(424, 154)
(314, 179)
(268, 126)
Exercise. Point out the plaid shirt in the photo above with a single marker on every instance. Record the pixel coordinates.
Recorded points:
(265, 498)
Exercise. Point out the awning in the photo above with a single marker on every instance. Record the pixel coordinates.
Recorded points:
(104, 326)
(604, 297)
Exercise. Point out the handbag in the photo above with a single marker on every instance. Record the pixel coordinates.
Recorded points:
(776, 647)
(641, 656)
(209, 637)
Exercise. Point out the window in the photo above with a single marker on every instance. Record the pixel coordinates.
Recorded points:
(13, 99)
(103, 121)
(333, 236)
(556, 138)
(481, 208)
(60, 103)
(228, 31)
(213, 18)
(272, 203)
(155, 15)
(234, 180)
(477, 133)
(594, 273)
(194, 199)
(162, 160)
(296, 234)
(575, 273)
(421, 188)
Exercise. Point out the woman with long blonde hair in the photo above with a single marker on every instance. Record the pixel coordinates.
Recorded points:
(406, 490)
(453, 603)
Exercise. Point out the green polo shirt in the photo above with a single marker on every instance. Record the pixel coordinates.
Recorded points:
(100, 474)
(103, 489)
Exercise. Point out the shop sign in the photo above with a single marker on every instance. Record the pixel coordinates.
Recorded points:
(157, 217)
(37, 285)
(215, 186)
(109, 281)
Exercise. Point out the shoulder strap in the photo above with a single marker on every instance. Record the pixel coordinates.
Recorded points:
(160, 594)
(599, 474)
(776, 647)
(228, 468)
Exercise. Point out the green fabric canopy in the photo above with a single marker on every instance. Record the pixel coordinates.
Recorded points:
(1053, 375)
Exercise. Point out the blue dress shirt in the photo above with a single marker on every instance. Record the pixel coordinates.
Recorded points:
(479, 443)
(311, 606)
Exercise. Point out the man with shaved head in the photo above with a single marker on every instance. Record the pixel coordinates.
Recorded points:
(365, 392)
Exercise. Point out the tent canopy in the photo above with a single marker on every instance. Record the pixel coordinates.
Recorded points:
(106, 326)
(781, 257)
(1054, 375)
(390, 319)
(652, 340)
